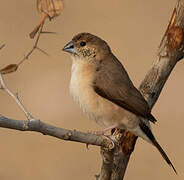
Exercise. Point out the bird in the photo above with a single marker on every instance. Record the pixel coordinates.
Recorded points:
(103, 89)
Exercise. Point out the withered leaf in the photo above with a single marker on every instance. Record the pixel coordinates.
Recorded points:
(2, 46)
(52, 8)
(9, 69)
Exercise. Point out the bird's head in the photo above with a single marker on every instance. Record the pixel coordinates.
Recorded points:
(86, 46)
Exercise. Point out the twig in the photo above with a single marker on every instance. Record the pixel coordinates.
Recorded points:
(35, 46)
(5, 88)
(44, 16)
(13, 67)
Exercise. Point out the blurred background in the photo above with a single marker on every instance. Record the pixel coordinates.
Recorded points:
(133, 29)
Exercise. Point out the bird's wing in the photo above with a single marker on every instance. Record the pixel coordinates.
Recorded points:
(113, 83)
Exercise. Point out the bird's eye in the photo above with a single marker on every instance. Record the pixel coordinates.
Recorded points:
(83, 43)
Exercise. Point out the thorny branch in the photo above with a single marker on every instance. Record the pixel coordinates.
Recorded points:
(35, 46)
(13, 67)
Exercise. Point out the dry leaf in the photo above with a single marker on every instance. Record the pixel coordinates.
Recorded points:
(9, 69)
(47, 9)
(52, 8)
(2, 46)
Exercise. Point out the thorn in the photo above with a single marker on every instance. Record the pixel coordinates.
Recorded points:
(42, 51)
(47, 32)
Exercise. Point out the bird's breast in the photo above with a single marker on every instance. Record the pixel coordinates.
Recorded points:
(81, 85)
(94, 106)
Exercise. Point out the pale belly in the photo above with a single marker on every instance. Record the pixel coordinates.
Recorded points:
(98, 109)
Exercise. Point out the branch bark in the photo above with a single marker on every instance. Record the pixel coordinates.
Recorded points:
(64, 134)
(170, 52)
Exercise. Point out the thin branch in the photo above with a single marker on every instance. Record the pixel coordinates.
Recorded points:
(14, 96)
(13, 67)
(35, 46)
(44, 16)
(60, 133)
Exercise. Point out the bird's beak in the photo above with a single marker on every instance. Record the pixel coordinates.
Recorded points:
(69, 47)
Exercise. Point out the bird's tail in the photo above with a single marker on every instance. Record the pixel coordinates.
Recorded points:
(151, 137)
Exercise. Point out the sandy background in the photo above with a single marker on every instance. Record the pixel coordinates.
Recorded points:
(133, 29)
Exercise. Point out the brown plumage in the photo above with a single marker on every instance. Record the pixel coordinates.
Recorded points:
(112, 82)
(104, 91)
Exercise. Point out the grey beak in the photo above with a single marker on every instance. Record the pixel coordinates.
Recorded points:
(69, 47)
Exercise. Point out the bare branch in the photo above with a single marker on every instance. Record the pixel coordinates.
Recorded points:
(35, 46)
(64, 134)
(13, 67)
(5, 88)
